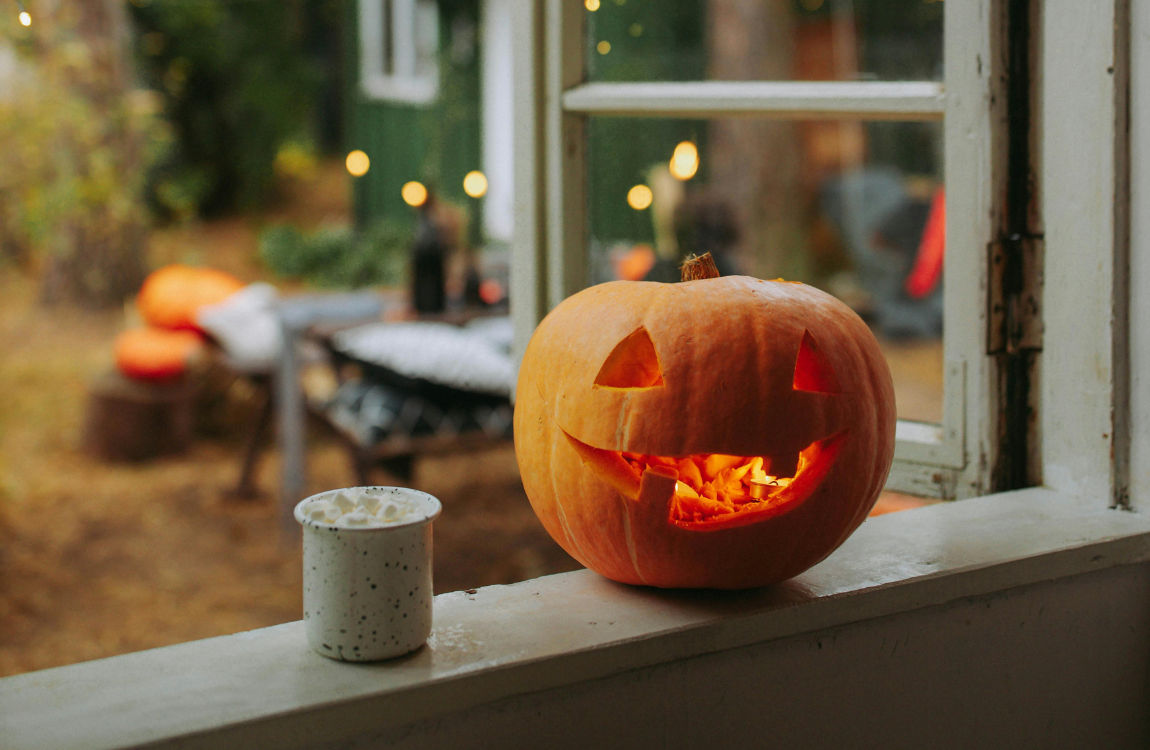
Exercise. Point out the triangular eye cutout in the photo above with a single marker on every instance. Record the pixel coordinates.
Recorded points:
(813, 372)
(631, 364)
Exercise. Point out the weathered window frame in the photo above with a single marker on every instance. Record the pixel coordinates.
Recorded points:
(947, 460)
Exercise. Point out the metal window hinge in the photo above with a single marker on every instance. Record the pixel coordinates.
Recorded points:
(1014, 315)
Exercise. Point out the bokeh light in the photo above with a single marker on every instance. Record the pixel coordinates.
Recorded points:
(475, 184)
(591, 5)
(491, 292)
(414, 194)
(25, 18)
(685, 161)
(358, 163)
(639, 197)
(604, 47)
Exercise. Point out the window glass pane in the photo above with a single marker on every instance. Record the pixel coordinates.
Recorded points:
(771, 40)
(853, 208)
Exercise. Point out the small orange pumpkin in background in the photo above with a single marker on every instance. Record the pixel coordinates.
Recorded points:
(721, 432)
(170, 296)
(155, 353)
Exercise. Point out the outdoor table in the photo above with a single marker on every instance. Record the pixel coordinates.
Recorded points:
(319, 317)
(297, 315)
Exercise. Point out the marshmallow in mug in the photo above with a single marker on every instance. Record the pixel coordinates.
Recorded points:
(359, 508)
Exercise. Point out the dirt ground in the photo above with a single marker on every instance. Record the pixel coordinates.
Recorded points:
(100, 559)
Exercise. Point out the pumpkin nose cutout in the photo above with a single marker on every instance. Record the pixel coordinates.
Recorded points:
(633, 363)
(813, 371)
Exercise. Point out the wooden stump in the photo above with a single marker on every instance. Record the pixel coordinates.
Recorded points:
(129, 420)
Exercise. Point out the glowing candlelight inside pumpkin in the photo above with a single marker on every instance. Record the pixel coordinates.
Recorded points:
(760, 488)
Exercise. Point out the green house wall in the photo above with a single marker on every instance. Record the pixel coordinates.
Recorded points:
(435, 144)
(440, 143)
(669, 46)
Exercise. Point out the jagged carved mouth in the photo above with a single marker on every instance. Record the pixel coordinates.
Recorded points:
(712, 491)
(706, 492)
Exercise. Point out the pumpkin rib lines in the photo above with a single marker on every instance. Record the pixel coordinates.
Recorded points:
(631, 542)
(553, 464)
(563, 514)
(623, 424)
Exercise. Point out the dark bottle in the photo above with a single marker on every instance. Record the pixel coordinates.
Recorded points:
(428, 260)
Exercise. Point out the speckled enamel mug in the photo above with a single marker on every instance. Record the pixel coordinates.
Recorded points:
(367, 590)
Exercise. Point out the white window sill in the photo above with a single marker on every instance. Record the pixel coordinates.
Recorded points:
(265, 688)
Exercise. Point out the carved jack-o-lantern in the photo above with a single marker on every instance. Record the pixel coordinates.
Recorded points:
(724, 432)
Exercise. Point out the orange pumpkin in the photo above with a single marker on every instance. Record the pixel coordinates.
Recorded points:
(170, 296)
(723, 432)
(155, 353)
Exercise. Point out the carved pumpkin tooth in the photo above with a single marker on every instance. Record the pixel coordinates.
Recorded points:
(611, 466)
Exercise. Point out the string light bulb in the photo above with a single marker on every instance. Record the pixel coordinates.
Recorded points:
(639, 197)
(684, 161)
(358, 163)
(414, 194)
(475, 184)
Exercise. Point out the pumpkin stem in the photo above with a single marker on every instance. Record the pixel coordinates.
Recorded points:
(699, 267)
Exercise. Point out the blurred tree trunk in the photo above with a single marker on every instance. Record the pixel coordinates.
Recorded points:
(97, 260)
(756, 164)
(94, 271)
